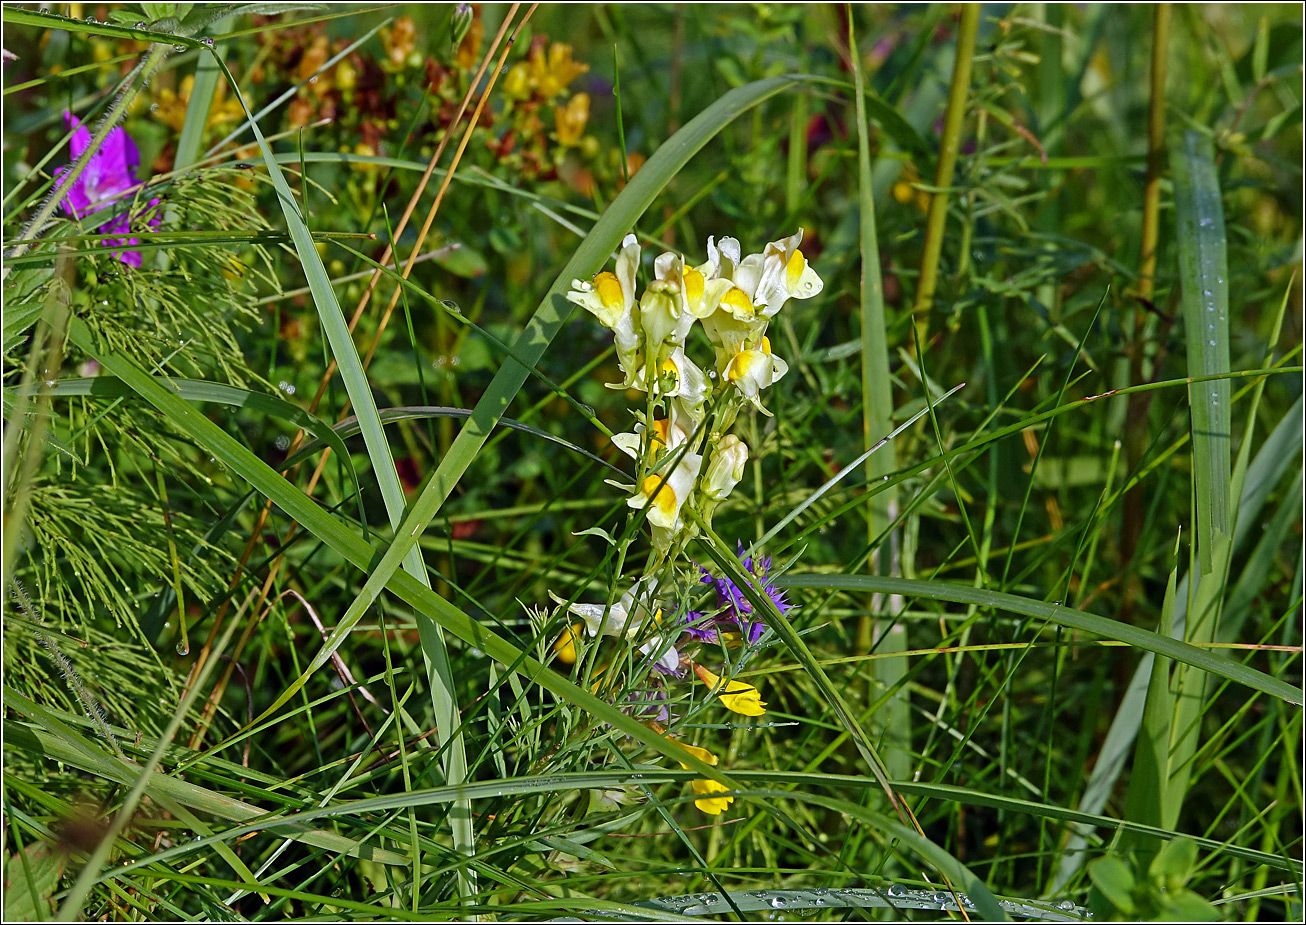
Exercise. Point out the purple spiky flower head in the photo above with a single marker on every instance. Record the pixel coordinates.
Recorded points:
(735, 608)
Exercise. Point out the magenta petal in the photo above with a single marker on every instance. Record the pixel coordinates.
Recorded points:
(81, 139)
(114, 165)
(76, 202)
(110, 175)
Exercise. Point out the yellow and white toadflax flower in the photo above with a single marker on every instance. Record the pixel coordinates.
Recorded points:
(724, 469)
(665, 494)
(699, 290)
(769, 279)
(734, 324)
(750, 371)
(680, 379)
(785, 275)
(635, 614)
(669, 433)
(627, 617)
(610, 297)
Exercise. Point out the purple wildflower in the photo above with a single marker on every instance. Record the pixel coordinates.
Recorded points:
(700, 626)
(735, 608)
(110, 176)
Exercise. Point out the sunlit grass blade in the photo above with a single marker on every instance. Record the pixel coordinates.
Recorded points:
(345, 354)
(1058, 614)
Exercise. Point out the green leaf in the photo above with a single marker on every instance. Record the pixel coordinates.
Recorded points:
(1115, 880)
(1173, 864)
(1187, 906)
(463, 261)
(1203, 266)
(31, 877)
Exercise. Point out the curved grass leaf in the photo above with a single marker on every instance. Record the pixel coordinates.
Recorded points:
(1054, 613)
(435, 654)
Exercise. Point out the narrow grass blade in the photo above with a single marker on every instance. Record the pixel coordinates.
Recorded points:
(1055, 613)
(877, 419)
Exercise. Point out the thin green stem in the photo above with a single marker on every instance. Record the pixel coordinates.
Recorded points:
(949, 145)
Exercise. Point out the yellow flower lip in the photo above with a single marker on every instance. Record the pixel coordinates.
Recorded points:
(565, 649)
(711, 800)
(702, 754)
(794, 268)
(609, 290)
(663, 498)
(737, 300)
(736, 696)
(694, 284)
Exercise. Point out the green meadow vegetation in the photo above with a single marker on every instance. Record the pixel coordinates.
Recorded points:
(652, 462)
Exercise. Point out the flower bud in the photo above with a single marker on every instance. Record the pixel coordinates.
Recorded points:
(725, 468)
(459, 23)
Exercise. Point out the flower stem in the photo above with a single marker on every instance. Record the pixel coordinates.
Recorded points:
(948, 147)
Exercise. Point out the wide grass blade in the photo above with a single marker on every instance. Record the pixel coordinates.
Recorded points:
(434, 650)
(1203, 267)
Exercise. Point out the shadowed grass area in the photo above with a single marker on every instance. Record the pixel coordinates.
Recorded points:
(904, 523)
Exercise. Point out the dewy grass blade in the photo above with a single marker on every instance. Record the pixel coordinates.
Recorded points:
(1205, 306)
(1203, 266)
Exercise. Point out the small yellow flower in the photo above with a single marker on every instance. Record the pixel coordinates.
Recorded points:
(565, 649)
(712, 805)
(711, 799)
(572, 118)
(363, 149)
(517, 82)
(170, 107)
(906, 190)
(551, 73)
(737, 696)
